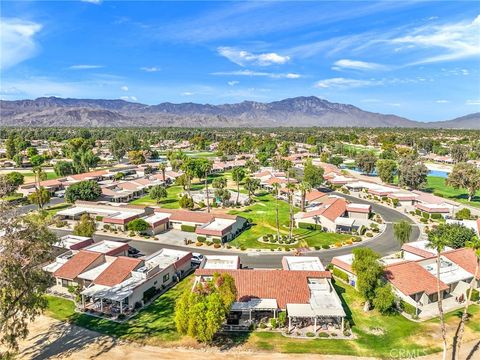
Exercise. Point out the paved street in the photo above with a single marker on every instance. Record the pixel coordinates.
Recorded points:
(384, 244)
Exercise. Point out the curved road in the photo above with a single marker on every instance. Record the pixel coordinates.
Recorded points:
(384, 244)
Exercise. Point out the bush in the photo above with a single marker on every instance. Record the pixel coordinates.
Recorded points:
(273, 323)
(121, 316)
(362, 230)
(325, 246)
(188, 228)
(282, 319)
(395, 202)
(201, 238)
(209, 243)
(436, 216)
(338, 244)
(356, 239)
(423, 220)
(217, 246)
(310, 334)
(217, 240)
(198, 243)
(323, 335)
(340, 274)
(243, 248)
(463, 214)
(425, 215)
(407, 308)
(369, 234)
(475, 295)
(418, 212)
(262, 325)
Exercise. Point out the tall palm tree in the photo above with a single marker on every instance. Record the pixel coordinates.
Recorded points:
(40, 175)
(276, 187)
(438, 243)
(204, 169)
(291, 190)
(473, 244)
(162, 167)
(238, 175)
(304, 188)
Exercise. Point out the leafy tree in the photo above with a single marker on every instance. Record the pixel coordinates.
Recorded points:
(15, 178)
(182, 181)
(136, 157)
(368, 270)
(334, 160)
(238, 174)
(18, 159)
(87, 190)
(31, 151)
(186, 202)
(158, 192)
(465, 176)
(119, 176)
(438, 241)
(386, 170)
(312, 174)
(252, 185)
(201, 312)
(474, 245)
(454, 235)
(86, 226)
(463, 214)
(402, 231)
(384, 300)
(138, 225)
(223, 195)
(40, 197)
(459, 153)
(366, 161)
(219, 183)
(37, 160)
(26, 245)
(412, 173)
(63, 168)
(251, 165)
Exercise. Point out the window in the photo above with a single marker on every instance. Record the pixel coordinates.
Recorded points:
(166, 277)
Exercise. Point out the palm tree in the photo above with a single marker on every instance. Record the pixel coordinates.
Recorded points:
(473, 244)
(40, 175)
(304, 188)
(276, 187)
(162, 167)
(238, 175)
(291, 190)
(402, 231)
(251, 185)
(438, 243)
(204, 169)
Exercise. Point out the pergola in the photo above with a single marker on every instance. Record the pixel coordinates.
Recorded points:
(306, 311)
(256, 305)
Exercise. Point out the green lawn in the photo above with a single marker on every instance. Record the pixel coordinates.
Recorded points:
(262, 214)
(154, 324)
(30, 176)
(437, 185)
(375, 334)
(52, 210)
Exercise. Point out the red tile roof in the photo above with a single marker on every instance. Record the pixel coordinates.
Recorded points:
(465, 258)
(314, 195)
(411, 278)
(79, 263)
(342, 265)
(91, 174)
(359, 209)
(286, 286)
(420, 252)
(118, 271)
(193, 216)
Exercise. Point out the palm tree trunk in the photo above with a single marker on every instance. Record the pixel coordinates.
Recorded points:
(291, 217)
(465, 311)
(440, 310)
(238, 190)
(208, 198)
(276, 218)
(303, 201)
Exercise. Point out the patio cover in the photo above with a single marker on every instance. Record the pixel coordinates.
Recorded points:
(255, 304)
(73, 211)
(114, 293)
(342, 221)
(300, 310)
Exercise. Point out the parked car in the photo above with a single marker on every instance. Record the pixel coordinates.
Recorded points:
(197, 258)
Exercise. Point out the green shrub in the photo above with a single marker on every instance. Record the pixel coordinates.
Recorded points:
(209, 243)
(340, 274)
(325, 246)
(262, 325)
(425, 215)
(273, 323)
(310, 334)
(201, 238)
(463, 214)
(323, 335)
(395, 202)
(408, 308)
(369, 234)
(436, 216)
(475, 295)
(362, 230)
(217, 240)
(98, 218)
(188, 228)
(423, 220)
(418, 212)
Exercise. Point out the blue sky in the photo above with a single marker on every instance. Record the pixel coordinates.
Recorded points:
(415, 59)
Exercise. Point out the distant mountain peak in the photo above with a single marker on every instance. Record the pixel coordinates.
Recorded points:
(296, 111)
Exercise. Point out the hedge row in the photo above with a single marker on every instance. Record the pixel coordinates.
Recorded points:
(408, 308)
(187, 228)
(303, 225)
(340, 274)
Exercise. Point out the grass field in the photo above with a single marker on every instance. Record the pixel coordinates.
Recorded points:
(375, 334)
(437, 185)
(262, 214)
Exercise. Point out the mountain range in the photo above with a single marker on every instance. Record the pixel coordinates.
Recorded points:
(292, 112)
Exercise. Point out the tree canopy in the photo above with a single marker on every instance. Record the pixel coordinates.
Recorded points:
(87, 190)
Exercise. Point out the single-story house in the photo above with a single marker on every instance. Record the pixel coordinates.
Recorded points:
(359, 211)
(344, 263)
(417, 250)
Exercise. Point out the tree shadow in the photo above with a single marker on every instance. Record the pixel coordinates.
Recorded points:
(341, 291)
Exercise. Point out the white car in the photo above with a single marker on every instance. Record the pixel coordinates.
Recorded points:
(197, 258)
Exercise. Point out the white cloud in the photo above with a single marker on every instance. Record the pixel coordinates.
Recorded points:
(394, 104)
(233, 82)
(243, 58)
(357, 65)
(344, 83)
(84, 67)
(455, 41)
(473, 102)
(442, 101)
(96, 2)
(150, 69)
(258, 73)
(124, 88)
(129, 98)
(18, 43)
(187, 93)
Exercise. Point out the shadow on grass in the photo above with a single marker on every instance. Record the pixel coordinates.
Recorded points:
(341, 291)
(228, 340)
